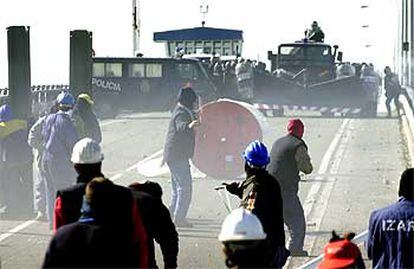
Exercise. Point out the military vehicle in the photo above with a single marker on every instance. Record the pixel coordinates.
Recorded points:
(312, 75)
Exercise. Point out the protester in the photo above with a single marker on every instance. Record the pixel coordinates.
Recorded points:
(289, 156)
(59, 135)
(315, 33)
(178, 149)
(391, 229)
(87, 160)
(260, 193)
(244, 241)
(16, 160)
(341, 253)
(157, 222)
(392, 90)
(84, 118)
(35, 140)
(103, 237)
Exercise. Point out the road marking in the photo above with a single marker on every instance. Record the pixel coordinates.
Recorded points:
(109, 122)
(16, 229)
(323, 168)
(318, 208)
(133, 167)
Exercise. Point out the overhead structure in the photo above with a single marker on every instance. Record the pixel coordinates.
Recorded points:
(202, 40)
(136, 27)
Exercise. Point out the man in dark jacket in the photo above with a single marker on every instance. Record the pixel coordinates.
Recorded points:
(391, 229)
(87, 160)
(392, 90)
(85, 119)
(103, 236)
(260, 193)
(178, 150)
(288, 157)
(157, 222)
(16, 160)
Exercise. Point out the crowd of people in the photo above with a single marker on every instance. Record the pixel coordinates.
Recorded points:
(97, 223)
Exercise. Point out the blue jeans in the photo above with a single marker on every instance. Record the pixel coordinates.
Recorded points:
(182, 188)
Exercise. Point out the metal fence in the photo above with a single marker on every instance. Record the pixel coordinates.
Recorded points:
(43, 97)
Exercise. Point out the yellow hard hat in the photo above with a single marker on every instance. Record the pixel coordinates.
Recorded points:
(86, 97)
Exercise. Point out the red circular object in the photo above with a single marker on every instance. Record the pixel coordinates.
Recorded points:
(226, 129)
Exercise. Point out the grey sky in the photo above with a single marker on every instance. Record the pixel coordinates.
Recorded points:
(265, 23)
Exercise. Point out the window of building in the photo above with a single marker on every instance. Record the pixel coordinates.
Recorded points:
(153, 70)
(137, 70)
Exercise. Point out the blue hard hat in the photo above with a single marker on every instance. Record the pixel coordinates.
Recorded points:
(65, 98)
(256, 154)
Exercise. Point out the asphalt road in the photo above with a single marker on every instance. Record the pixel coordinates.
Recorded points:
(357, 165)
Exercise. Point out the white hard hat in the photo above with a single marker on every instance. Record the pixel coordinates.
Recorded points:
(241, 225)
(86, 151)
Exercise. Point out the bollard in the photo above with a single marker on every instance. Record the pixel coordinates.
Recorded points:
(80, 62)
(18, 48)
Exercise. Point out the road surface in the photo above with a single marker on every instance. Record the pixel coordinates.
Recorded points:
(357, 166)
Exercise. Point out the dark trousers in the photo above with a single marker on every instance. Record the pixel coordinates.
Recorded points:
(17, 190)
(396, 103)
(294, 219)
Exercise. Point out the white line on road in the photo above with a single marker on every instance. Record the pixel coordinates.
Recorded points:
(319, 207)
(323, 168)
(16, 229)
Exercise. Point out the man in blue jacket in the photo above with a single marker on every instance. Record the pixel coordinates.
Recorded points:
(391, 229)
(59, 135)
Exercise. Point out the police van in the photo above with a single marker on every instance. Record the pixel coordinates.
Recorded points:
(146, 84)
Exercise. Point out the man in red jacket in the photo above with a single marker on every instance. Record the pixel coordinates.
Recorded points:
(104, 235)
(87, 159)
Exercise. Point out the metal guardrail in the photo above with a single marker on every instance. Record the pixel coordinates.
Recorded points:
(359, 239)
(43, 96)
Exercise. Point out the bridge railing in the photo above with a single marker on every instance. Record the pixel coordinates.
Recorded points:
(43, 97)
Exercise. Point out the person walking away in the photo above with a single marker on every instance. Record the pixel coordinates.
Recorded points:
(244, 241)
(390, 241)
(84, 118)
(59, 135)
(35, 140)
(178, 150)
(341, 253)
(392, 90)
(370, 83)
(157, 222)
(102, 237)
(288, 157)
(87, 160)
(16, 160)
(260, 194)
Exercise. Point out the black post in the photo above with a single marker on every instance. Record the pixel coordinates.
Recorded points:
(18, 49)
(80, 62)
